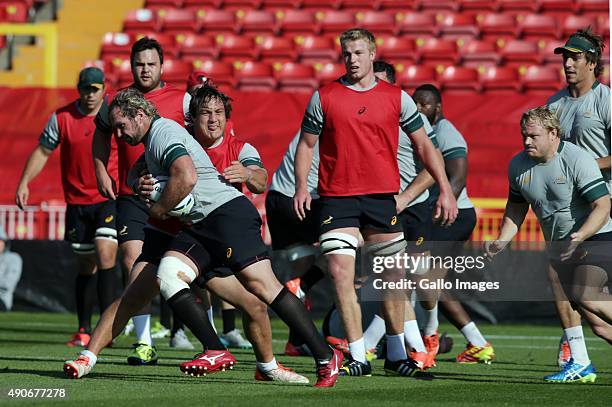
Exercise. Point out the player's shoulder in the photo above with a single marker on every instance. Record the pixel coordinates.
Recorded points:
(601, 90)
(572, 153)
(558, 97)
(69, 108)
(518, 162)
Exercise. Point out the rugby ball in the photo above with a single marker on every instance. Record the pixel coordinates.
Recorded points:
(182, 208)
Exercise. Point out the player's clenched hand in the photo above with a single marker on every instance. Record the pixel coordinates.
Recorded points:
(237, 173)
(446, 209)
(22, 195)
(301, 202)
(576, 239)
(145, 187)
(491, 248)
(106, 186)
(400, 203)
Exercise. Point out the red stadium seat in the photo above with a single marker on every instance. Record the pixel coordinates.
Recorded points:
(453, 26)
(396, 5)
(315, 48)
(114, 44)
(176, 71)
(556, 6)
(415, 24)
(293, 77)
(274, 49)
(14, 11)
(518, 5)
(476, 53)
(500, 79)
(328, 72)
(321, 4)
(437, 5)
(140, 20)
(276, 4)
(296, 22)
(541, 78)
(547, 52)
(603, 26)
(257, 21)
(123, 70)
(175, 21)
(335, 21)
(241, 4)
(537, 26)
(459, 79)
(193, 46)
(167, 42)
(165, 3)
(395, 48)
(215, 21)
(574, 23)
(359, 4)
(495, 26)
(478, 5)
(202, 3)
(376, 21)
(415, 75)
(437, 51)
(222, 73)
(233, 46)
(593, 6)
(518, 53)
(254, 76)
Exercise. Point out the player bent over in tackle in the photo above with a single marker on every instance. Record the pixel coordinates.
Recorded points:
(224, 231)
(566, 191)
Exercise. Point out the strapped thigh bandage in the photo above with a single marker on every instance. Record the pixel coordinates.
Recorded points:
(83, 248)
(338, 243)
(106, 233)
(168, 273)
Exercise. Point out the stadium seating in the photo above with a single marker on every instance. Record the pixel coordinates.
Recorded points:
(496, 25)
(520, 53)
(216, 21)
(232, 47)
(518, 6)
(178, 21)
(254, 76)
(453, 26)
(395, 48)
(316, 49)
(396, 5)
(292, 77)
(415, 75)
(335, 21)
(275, 4)
(14, 11)
(477, 53)
(328, 72)
(257, 21)
(436, 5)
(167, 41)
(241, 4)
(557, 6)
(460, 79)
(320, 4)
(141, 20)
(296, 22)
(176, 71)
(275, 49)
(222, 73)
(500, 79)
(165, 3)
(415, 24)
(593, 6)
(192, 46)
(537, 26)
(116, 44)
(378, 22)
(573, 23)
(480, 6)
(540, 78)
(437, 51)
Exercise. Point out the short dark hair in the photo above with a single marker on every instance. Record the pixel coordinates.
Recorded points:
(382, 66)
(598, 44)
(147, 43)
(428, 87)
(205, 94)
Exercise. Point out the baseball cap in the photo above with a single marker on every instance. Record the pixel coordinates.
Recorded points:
(91, 76)
(577, 43)
(197, 78)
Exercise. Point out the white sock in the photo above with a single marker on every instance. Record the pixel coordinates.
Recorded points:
(267, 366)
(412, 335)
(92, 358)
(358, 350)
(430, 326)
(142, 328)
(472, 334)
(396, 349)
(374, 332)
(575, 338)
(211, 318)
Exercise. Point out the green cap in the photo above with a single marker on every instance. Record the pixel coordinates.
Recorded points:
(577, 44)
(91, 77)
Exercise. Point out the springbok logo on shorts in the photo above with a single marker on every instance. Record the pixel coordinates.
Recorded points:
(108, 219)
(393, 220)
(420, 240)
(327, 221)
(228, 252)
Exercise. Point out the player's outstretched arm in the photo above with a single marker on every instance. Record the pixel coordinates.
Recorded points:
(101, 147)
(421, 182)
(36, 162)
(513, 219)
(181, 180)
(303, 160)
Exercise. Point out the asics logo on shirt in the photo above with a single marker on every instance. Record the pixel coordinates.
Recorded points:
(362, 110)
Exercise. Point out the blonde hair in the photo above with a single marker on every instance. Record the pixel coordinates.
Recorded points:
(355, 34)
(542, 116)
(130, 101)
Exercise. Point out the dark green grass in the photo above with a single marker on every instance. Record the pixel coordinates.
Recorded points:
(32, 352)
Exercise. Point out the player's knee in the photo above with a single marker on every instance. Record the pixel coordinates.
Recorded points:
(338, 243)
(174, 275)
(255, 308)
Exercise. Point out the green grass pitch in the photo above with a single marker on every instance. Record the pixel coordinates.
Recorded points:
(32, 351)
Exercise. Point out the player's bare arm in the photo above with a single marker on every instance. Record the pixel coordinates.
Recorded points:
(101, 147)
(181, 180)
(255, 177)
(303, 160)
(446, 206)
(604, 163)
(600, 212)
(36, 162)
(422, 182)
(514, 216)
(456, 170)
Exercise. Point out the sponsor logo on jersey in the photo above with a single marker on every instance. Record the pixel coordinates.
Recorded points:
(560, 180)
(588, 114)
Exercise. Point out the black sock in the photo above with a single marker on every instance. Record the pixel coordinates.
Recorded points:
(294, 314)
(165, 313)
(106, 287)
(177, 324)
(229, 320)
(85, 291)
(311, 277)
(295, 339)
(195, 318)
(326, 329)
